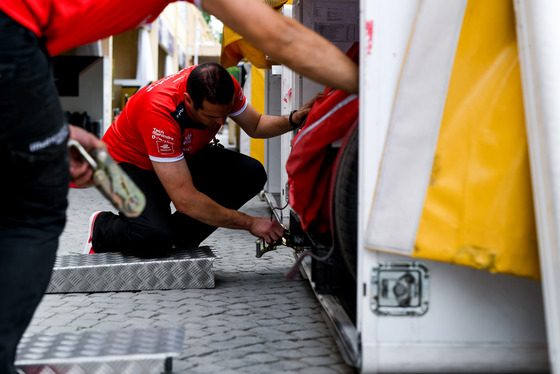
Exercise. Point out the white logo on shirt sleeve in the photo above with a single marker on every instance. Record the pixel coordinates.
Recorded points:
(160, 134)
(165, 148)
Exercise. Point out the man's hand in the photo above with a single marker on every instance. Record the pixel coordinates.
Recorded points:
(299, 116)
(266, 228)
(80, 171)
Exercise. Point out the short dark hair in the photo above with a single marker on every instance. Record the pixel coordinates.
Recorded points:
(211, 82)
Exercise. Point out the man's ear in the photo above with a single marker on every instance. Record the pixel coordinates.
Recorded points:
(188, 100)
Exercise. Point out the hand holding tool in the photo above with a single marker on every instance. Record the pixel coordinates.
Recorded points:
(112, 181)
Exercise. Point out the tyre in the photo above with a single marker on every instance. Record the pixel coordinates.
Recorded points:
(345, 202)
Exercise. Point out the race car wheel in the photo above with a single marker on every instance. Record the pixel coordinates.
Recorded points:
(345, 202)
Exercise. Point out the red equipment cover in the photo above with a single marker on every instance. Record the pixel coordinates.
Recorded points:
(311, 161)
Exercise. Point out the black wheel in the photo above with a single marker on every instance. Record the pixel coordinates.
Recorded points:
(345, 203)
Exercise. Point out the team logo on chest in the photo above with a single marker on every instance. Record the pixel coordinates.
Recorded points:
(187, 142)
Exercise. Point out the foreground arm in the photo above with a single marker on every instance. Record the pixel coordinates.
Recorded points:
(177, 181)
(287, 41)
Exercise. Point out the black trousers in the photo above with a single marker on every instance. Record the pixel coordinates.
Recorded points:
(34, 183)
(229, 178)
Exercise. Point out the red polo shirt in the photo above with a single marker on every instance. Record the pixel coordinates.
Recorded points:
(70, 23)
(155, 126)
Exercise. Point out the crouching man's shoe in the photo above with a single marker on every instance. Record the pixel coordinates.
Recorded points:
(88, 247)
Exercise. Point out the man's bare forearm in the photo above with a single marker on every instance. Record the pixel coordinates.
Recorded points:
(288, 42)
(204, 209)
(265, 126)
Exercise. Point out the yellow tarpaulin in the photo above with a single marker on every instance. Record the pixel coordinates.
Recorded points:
(478, 210)
(257, 101)
(235, 48)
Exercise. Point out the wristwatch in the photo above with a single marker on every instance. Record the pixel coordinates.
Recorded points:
(292, 123)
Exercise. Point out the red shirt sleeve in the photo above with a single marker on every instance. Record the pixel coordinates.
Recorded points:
(240, 102)
(161, 137)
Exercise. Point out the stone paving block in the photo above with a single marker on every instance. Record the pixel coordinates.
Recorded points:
(261, 358)
(235, 363)
(285, 345)
(248, 349)
(198, 347)
(309, 322)
(291, 354)
(319, 370)
(205, 361)
(272, 334)
(286, 366)
(257, 369)
(342, 368)
(212, 369)
(309, 334)
(319, 360)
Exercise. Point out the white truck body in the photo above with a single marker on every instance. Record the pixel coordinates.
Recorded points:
(474, 321)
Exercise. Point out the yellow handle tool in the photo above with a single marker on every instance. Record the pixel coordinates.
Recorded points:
(112, 181)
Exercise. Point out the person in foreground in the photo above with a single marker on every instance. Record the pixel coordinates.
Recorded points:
(161, 139)
(36, 170)
(33, 136)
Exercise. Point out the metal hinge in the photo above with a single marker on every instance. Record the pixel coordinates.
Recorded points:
(400, 289)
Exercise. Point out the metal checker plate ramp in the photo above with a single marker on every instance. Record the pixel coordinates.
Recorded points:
(132, 351)
(105, 272)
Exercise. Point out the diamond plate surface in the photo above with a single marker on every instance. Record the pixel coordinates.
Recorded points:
(104, 272)
(132, 351)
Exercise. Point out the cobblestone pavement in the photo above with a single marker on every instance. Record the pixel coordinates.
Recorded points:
(253, 321)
